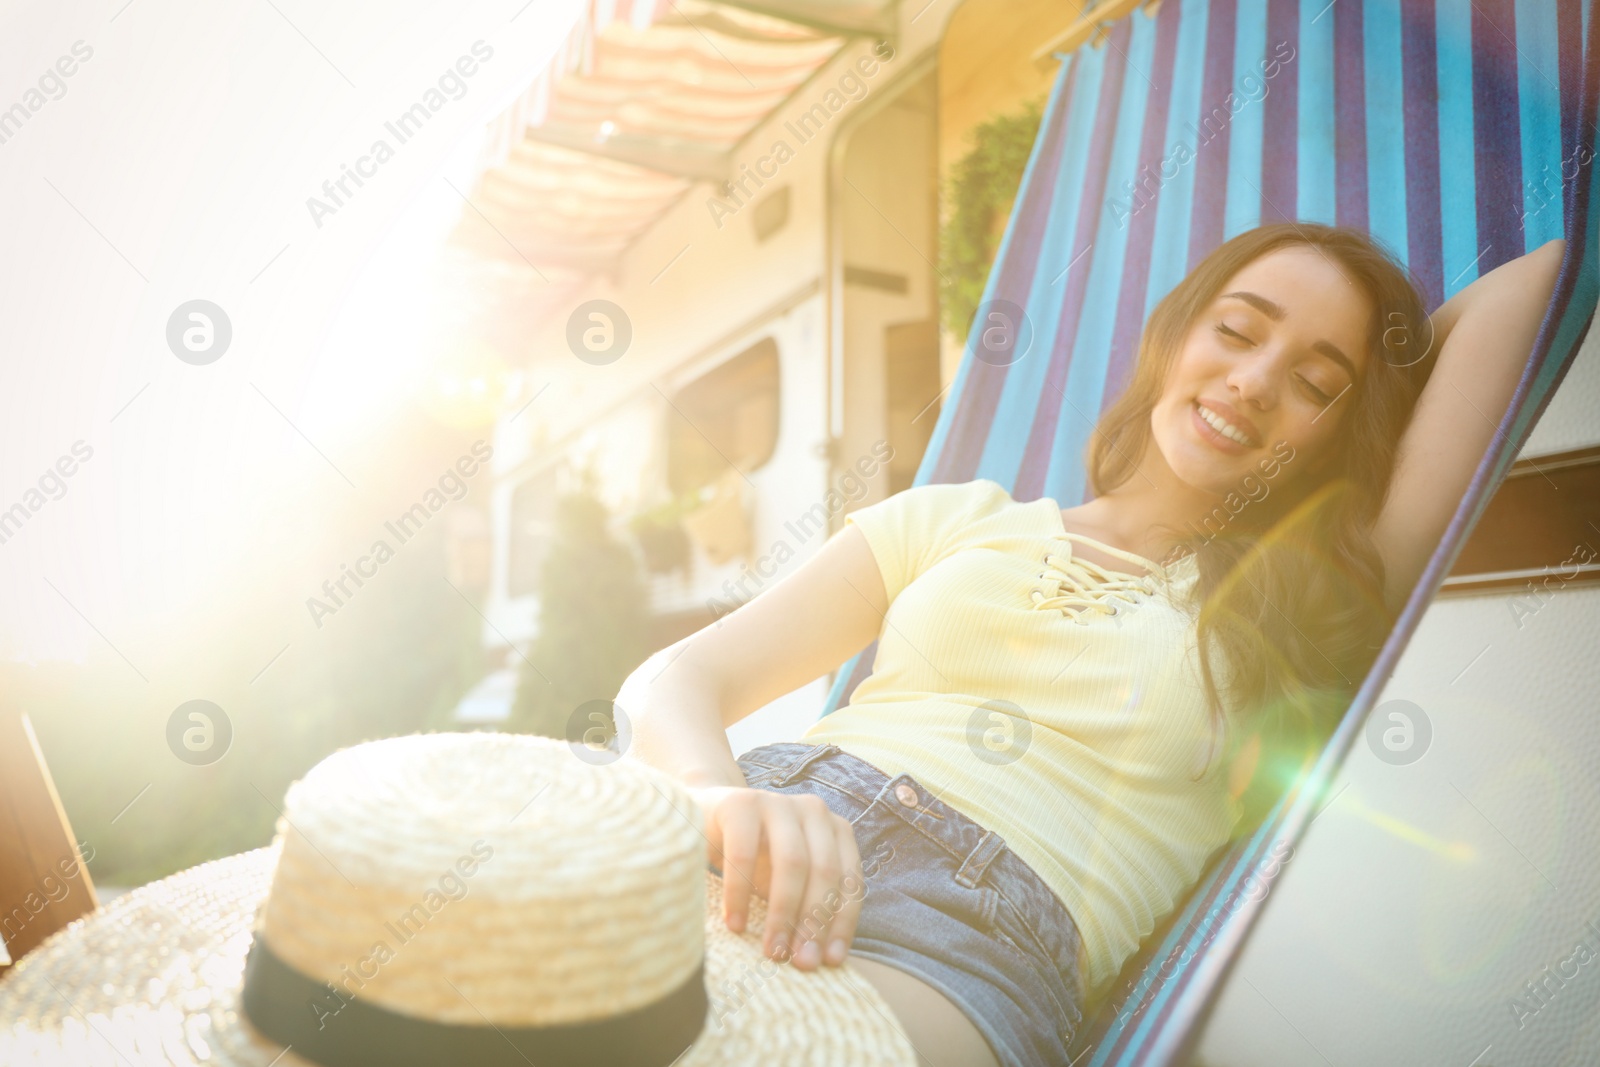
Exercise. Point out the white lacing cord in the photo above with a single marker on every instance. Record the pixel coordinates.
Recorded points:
(1086, 586)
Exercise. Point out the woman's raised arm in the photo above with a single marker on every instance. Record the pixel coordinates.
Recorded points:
(1483, 336)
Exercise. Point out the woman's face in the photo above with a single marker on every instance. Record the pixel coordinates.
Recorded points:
(1275, 358)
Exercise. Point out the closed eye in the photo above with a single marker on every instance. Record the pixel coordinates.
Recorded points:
(1226, 331)
(1316, 394)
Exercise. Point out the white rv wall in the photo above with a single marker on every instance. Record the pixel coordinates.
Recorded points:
(688, 283)
(698, 289)
(696, 293)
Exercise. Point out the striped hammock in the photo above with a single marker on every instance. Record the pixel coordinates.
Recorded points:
(1460, 133)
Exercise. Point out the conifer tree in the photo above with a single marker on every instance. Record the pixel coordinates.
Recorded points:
(593, 613)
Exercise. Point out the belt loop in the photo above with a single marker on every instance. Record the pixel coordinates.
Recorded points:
(978, 860)
(798, 767)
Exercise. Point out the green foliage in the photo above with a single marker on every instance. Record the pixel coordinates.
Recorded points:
(982, 187)
(593, 612)
(660, 533)
(394, 661)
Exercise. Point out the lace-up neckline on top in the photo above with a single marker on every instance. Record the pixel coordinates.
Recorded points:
(1082, 586)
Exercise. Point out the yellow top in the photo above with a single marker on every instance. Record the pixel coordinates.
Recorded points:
(1053, 701)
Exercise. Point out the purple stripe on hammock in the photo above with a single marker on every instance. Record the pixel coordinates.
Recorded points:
(1569, 76)
(1129, 326)
(1424, 233)
(1495, 109)
(1350, 117)
(1036, 453)
(1280, 121)
(1211, 148)
(974, 415)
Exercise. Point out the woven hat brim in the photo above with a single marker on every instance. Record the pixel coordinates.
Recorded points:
(153, 978)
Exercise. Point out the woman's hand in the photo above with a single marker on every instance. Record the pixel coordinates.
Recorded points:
(796, 853)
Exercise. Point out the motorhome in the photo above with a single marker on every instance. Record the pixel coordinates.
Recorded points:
(707, 240)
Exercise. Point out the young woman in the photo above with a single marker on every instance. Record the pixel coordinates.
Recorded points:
(1059, 730)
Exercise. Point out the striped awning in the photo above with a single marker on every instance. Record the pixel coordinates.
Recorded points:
(644, 99)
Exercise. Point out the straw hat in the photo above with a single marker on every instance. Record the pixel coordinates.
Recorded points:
(443, 899)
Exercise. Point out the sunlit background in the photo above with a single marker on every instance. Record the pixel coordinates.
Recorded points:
(218, 498)
(344, 523)
(793, 341)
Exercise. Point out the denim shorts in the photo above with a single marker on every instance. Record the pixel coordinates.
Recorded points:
(946, 901)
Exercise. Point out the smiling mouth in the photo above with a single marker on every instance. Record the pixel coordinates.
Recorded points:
(1223, 426)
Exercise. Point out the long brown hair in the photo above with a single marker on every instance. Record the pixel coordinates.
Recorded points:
(1290, 587)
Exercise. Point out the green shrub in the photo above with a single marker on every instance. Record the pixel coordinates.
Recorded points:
(982, 186)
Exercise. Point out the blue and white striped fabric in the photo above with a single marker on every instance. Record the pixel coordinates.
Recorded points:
(1460, 133)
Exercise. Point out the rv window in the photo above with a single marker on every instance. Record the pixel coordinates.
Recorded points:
(1540, 531)
(532, 513)
(729, 415)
